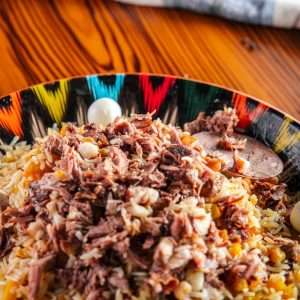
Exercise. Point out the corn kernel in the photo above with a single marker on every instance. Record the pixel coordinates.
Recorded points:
(22, 252)
(9, 291)
(254, 284)
(33, 170)
(290, 292)
(8, 158)
(276, 282)
(240, 285)
(297, 276)
(63, 130)
(104, 151)
(215, 211)
(88, 139)
(223, 234)
(258, 296)
(214, 163)
(60, 175)
(235, 249)
(187, 139)
(276, 255)
(253, 199)
(253, 231)
(207, 206)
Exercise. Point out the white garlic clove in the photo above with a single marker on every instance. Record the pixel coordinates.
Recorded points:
(139, 210)
(164, 250)
(104, 111)
(196, 280)
(295, 216)
(88, 150)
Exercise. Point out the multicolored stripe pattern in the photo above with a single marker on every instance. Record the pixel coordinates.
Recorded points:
(175, 100)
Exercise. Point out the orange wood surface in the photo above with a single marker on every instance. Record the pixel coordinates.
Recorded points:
(46, 40)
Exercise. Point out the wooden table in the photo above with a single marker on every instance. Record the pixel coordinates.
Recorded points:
(46, 40)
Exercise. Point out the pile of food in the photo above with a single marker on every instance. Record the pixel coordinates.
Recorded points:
(138, 210)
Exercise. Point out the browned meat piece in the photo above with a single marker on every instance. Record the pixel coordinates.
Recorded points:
(142, 122)
(153, 226)
(137, 261)
(199, 124)
(35, 272)
(6, 243)
(118, 280)
(54, 145)
(236, 221)
(214, 281)
(106, 226)
(269, 194)
(174, 153)
(119, 159)
(222, 121)
(235, 217)
(149, 242)
(231, 143)
(245, 268)
(3, 200)
(177, 227)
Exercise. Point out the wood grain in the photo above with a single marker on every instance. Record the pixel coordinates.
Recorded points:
(46, 40)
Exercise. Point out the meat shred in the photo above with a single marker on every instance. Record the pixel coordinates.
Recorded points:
(133, 218)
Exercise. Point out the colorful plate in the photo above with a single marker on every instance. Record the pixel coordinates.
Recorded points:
(28, 113)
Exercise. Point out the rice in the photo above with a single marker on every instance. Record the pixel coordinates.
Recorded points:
(139, 215)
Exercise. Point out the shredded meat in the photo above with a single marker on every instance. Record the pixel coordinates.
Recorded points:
(106, 226)
(278, 240)
(197, 125)
(54, 145)
(177, 226)
(236, 220)
(292, 251)
(231, 143)
(245, 267)
(269, 194)
(142, 122)
(214, 281)
(136, 217)
(153, 226)
(3, 200)
(6, 244)
(222, 121)
(119, 159)
(35, 273)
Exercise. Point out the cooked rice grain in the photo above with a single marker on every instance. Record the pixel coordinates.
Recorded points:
(140, 217)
